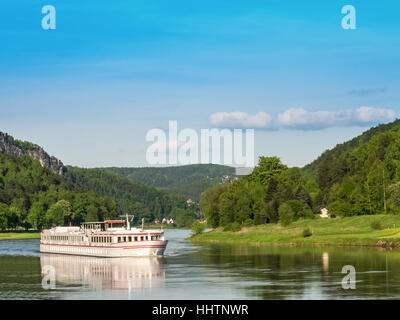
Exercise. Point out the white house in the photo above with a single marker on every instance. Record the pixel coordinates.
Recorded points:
(324, 213)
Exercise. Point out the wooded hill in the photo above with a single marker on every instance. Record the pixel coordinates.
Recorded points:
(37, 190)
(34, 196)
(132, 197)
(361, 176)
(189, 181)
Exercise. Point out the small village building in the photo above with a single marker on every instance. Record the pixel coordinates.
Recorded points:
(324, 213)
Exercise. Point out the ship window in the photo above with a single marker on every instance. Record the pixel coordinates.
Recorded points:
(119, 239)
(129, 239)
(135, 238)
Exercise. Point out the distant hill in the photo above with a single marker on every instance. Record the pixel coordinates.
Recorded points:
(132, 197)
(361, 176)
(332, 165)
(189, 181)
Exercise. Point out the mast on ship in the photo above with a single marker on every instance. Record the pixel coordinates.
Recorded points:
(128, 223)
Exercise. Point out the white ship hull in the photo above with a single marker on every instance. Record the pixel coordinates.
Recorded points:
(142, 249)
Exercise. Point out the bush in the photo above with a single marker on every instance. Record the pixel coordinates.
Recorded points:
(341, 208)
(376, 225)
(307, 232)
(286, 214)
(198, 227)
(308, 214)
(248, 223)
(234, 226)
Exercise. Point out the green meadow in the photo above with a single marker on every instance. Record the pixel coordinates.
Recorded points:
(373, 230)
(12, 235)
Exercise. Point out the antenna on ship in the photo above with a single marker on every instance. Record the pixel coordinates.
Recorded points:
(142, 224)
(128, 222)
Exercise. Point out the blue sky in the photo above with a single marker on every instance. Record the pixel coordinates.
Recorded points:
(112, 70)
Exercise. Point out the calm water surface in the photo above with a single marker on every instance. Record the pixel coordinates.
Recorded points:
(193, 271)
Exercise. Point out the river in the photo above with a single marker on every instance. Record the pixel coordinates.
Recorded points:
(200, 271)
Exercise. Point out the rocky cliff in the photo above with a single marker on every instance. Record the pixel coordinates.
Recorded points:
(15, 147)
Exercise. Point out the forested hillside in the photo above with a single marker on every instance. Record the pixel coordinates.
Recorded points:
(132, 197)
(34, 196)
(189, 181)
(359, 177)
(37, 190)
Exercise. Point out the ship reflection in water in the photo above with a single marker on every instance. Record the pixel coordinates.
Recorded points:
(104, 273)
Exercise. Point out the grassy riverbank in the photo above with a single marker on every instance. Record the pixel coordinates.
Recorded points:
(349, 231)
(13, 235)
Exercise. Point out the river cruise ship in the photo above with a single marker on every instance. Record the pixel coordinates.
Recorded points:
(112, 238)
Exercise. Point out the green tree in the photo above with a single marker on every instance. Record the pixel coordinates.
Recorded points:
(3, 216)
(36, 215)
(58, 213)
(267, 167)
(209, 204)
(286, 214)
(198, 227)
(92, 214)
(14, 218)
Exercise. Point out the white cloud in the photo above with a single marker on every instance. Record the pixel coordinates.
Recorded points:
(239, 119)
(303, 119)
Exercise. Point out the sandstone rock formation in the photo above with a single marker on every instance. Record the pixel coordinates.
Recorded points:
(17, 148)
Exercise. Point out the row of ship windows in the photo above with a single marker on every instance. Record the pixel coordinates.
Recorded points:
(64, 238)
(103, 239)
(140, 238)
(125, 239)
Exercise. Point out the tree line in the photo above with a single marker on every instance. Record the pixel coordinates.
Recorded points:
(359, 177)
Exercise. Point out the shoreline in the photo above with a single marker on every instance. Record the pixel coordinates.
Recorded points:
(344, 232)
(35, 234)
(19, 235)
